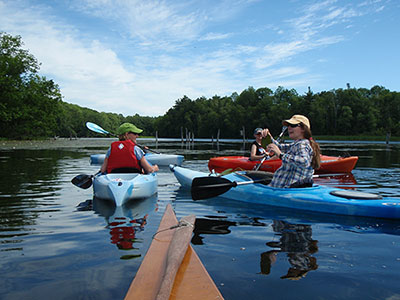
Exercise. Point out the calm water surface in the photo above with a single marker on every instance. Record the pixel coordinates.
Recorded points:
(56, 243)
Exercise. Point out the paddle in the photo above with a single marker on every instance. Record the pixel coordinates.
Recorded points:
(83, 181)
(212, 186)
(284, 128)
(98, 129)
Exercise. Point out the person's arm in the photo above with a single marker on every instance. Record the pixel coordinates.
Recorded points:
(301, 156)
(148, 168)
(103, 168)
(253, 152)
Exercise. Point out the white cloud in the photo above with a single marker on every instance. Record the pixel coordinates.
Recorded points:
(215, 36)
(157, 65)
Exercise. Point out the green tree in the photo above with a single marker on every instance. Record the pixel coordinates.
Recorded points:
(29, 103)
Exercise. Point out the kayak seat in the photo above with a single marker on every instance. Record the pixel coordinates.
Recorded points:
(302, 184)
(125, 170)
(258, 175)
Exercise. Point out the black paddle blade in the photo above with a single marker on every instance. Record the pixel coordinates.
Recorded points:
(210, 186)
(82, 181)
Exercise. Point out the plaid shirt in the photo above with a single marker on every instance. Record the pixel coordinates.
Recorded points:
(296, 164)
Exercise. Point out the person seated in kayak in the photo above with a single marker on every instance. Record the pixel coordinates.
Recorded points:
(257, 152)
(125, 155)
(299, 159)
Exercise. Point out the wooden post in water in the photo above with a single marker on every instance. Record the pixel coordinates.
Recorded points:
(388, 134)
(156, 139)
(181, 134)
(218, 139)
(244, 137)
(181, 137)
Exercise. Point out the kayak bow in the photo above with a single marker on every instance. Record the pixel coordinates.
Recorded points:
(189, 279)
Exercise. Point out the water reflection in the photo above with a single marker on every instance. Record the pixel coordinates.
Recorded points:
(126, 221)
(296, 241)
(209, 226)
(343, 181)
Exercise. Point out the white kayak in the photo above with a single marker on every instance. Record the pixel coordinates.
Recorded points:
(153, 158)
(122, 187)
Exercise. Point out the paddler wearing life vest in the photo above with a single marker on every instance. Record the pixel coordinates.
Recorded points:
(300, 158)
(257, 152)
(124, 155)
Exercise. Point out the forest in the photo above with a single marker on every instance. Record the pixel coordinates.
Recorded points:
(31, 106)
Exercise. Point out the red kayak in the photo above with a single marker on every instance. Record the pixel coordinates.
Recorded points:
(329, 164)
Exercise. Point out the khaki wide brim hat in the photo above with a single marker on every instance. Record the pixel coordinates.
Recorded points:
(297, 119)
(128, 127)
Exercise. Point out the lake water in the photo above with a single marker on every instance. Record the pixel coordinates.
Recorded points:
(56, 243)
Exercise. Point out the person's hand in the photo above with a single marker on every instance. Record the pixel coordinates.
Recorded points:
(274, 148)
(155, 168)
(265, 132)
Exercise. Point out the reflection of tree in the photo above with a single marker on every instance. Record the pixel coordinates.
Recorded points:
(29, 185)
(297, 242)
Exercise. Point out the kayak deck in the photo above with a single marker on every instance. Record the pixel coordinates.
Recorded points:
(329, 164)
(122, 187)
(152, 158)
(192, 280)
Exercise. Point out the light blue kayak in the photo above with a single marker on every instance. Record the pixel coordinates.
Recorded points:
(153, 158)
(240, 187)
(123, 187)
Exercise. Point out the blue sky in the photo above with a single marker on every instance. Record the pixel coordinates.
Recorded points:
(140, 56)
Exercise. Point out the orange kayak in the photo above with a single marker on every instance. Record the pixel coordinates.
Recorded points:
(329, 164)
(190, 279)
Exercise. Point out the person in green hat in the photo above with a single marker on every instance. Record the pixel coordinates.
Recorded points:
(125, 156)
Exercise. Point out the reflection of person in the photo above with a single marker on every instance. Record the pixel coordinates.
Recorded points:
(297, 242)
(300, 158)
(123, 232)
(124, 155)
(257, 151)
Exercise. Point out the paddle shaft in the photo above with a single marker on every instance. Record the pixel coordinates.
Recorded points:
(265, 157)
(96, 128)
(211, 186)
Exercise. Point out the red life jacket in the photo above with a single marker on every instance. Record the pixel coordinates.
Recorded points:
(122, 155)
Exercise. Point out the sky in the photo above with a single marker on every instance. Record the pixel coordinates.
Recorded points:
(141, 56)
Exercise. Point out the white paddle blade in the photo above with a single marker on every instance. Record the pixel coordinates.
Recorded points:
(96, 128)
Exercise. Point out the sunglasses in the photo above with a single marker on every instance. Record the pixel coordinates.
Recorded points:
(258, 133)
(294, 125)
(133, 133)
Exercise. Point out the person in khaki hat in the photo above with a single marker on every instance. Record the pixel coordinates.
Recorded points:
(125, 156)
(300, 158)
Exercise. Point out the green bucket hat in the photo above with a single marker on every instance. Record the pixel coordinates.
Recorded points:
(128, 127)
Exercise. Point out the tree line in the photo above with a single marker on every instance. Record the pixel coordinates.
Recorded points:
(31, 106)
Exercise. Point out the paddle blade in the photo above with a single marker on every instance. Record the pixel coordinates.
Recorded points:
(210, 186)
(82, 181)
(96, 128)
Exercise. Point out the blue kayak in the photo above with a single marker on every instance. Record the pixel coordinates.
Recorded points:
(240, 186)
